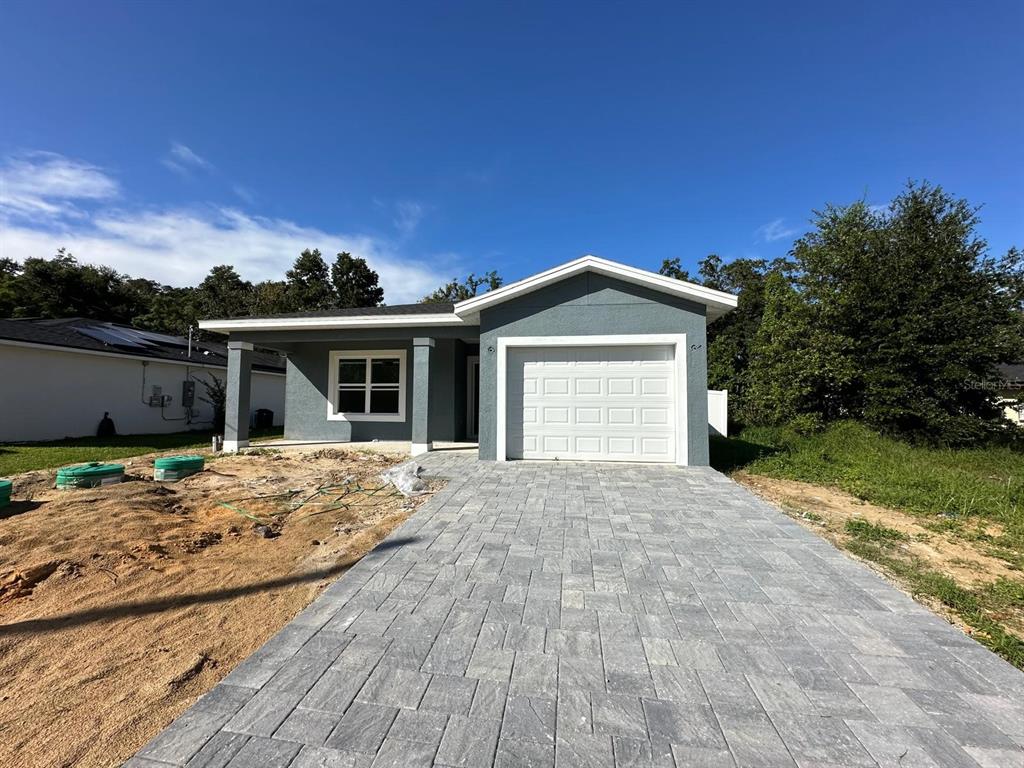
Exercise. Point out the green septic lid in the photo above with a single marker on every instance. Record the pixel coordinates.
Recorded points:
(92, 469)
(179, 462)
(5, 487)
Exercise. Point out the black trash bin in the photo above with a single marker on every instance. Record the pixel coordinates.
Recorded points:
(263, 418)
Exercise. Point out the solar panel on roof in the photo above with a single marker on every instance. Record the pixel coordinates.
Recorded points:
(108, 336)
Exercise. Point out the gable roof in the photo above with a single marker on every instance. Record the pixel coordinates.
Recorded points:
(468, 312)
(84, 335)
(717, 302)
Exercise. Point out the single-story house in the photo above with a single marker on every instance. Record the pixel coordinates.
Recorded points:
(1010, 396)
(60, 376)
(590, 360)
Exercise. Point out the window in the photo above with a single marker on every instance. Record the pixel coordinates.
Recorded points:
(367, 386)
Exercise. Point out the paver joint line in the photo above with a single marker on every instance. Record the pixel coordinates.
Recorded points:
(560, 614)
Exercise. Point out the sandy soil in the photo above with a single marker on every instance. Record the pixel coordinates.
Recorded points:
(120, 606)
(826, 510)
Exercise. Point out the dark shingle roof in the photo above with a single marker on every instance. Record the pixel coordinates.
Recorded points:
(93, 335)
(391, 309)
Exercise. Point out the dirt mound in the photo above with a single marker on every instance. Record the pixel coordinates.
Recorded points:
(120, 605)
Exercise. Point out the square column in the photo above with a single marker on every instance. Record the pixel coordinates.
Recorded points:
(421, 349)
(239, 386)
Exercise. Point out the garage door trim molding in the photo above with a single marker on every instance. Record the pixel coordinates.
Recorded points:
(676, 340)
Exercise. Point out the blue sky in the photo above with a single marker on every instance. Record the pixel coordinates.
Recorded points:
(438, 139)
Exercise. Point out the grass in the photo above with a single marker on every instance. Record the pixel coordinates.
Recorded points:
(975, 495)
(25, 457)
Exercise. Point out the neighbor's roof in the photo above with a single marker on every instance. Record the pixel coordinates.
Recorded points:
(717, 303)
(80, 334)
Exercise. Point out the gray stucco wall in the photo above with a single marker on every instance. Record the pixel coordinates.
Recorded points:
(590, 304)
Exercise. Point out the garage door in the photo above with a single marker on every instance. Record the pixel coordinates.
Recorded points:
(591, 403)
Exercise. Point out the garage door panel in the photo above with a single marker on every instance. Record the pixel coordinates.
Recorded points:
(600, 403)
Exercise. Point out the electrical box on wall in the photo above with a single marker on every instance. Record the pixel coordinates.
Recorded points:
(158, 399)
(188, 394)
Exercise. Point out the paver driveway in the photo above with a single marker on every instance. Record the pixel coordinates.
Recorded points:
(539, 614)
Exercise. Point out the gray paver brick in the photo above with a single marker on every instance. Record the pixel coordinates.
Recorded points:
(260, 752)
(363, 728)
(468, 742)
(654, 616)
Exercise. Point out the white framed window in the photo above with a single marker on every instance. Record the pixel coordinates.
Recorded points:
(367, 385)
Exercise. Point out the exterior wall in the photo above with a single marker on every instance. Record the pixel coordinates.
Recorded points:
(48, 394)
(590, 304)
(307, 390)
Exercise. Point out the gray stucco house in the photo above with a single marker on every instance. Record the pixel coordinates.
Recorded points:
(590, 360)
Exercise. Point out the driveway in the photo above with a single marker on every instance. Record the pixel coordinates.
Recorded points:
(562, 614)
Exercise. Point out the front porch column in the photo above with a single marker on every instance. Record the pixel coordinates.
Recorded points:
(421, 396)
(239, 384)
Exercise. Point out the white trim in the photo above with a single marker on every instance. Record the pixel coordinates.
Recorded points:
(676, 340)
(327, 323)
(245, 346)
(234, 446)
(717, 302)
(119, 356)
(471, 404)
(415, 449)
(364, 354)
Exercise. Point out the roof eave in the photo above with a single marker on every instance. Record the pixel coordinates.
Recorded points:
(328, 323)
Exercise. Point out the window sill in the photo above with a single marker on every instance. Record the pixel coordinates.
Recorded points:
(379, 417)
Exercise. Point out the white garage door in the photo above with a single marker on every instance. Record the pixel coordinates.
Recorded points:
(597, 403)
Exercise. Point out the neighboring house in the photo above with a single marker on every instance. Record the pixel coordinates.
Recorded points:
(591, 360)
(58, 377)
(1011, 392)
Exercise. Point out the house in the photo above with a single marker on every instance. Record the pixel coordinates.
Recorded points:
(1009, 396)
(58, 378)
(590, 360)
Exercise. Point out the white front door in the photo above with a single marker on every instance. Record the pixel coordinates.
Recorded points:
(604, 403)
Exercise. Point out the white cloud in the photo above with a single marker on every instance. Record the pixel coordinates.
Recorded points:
(184, 161)
(45, 184)
(775, 230)
(178, 246)
(408, 215)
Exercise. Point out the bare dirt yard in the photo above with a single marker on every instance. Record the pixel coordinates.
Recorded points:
(119, 606)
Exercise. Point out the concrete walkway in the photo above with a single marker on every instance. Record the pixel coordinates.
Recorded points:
(546, 614)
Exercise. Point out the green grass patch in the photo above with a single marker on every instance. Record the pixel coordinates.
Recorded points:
(879, 534)
(16, 458)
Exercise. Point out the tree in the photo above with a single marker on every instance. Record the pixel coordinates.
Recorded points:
(10, 270)
(309, 285)
(925, 310)
(223, 293)
(269, 298)
(172, 311)
(455, 291)
(798, 369)
(355, 284)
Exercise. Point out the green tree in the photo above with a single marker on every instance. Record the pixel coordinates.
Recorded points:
(223, 293)
(269, 298)
(926, 311)
(309, 283)
(10, 270)
(172, 310)
(798, 369)
(355, 284)
(454, 291)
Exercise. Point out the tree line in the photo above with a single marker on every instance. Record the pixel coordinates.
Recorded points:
(63, 287)
(895, 317)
